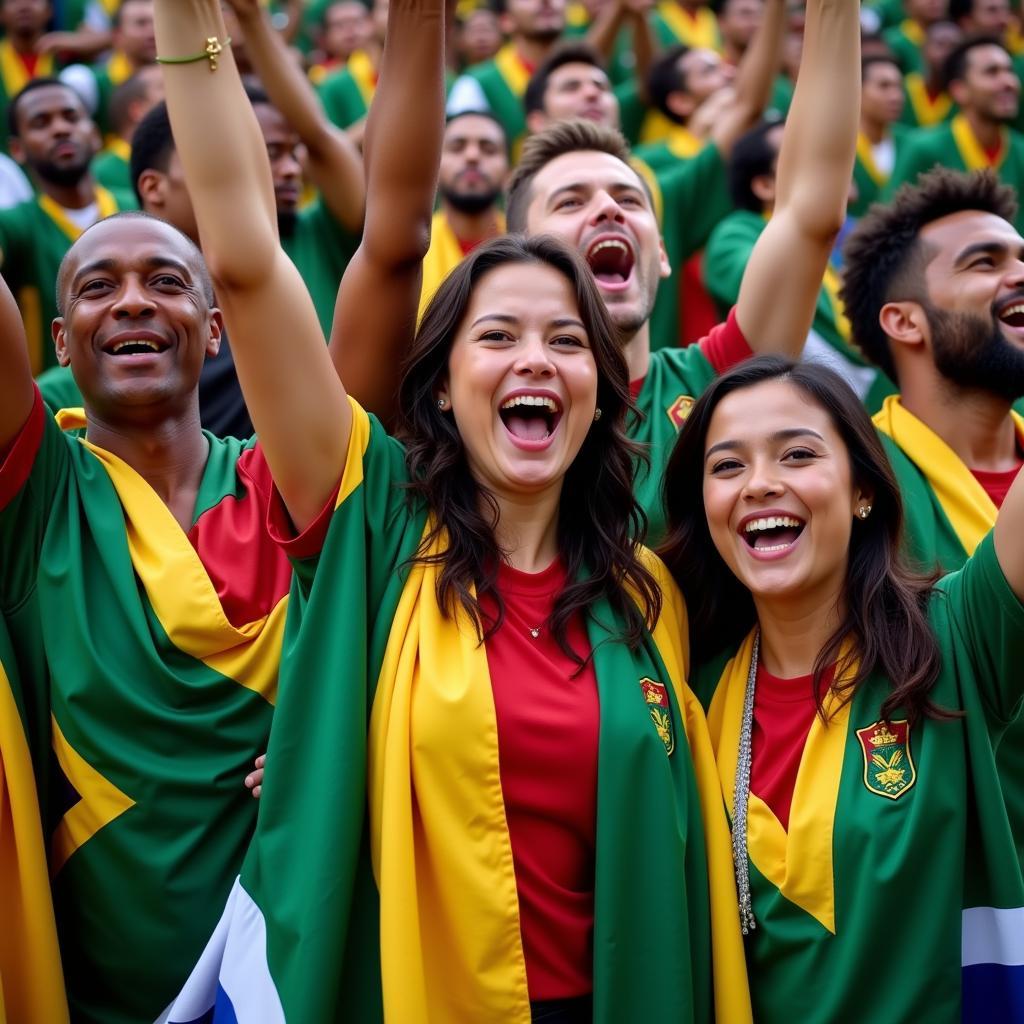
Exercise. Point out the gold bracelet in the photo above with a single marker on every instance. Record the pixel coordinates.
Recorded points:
(213, 49)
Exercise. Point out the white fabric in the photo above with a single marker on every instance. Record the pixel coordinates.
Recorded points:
(992, 936)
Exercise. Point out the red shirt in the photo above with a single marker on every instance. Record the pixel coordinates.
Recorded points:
(996, 484)
(548, 725)
(784, 711)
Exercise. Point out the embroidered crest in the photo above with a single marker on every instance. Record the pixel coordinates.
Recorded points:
(656, 697)
(679, 410)
(888, 766)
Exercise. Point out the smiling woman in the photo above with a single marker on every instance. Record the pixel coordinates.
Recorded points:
(854, 708)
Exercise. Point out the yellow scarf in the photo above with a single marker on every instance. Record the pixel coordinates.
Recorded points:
(797, 863)
(443, 256)
(363, 73)
(441, 854)
(865, 154)
(510, 65)
(179, 588)
(969, 509)
(927, 111)
(699, 30)
(913, 31)
(31, 982)
(119, 68)
(971, 151)
(12, 69)
(106, 204)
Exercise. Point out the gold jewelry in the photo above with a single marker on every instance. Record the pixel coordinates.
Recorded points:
(864, 511)
(213, 49)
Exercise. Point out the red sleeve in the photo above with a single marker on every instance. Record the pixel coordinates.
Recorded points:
(19, 455)
(725, 346)
(309, 543)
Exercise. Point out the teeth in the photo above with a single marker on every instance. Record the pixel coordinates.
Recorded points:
(151, 345)
(538, 401)
(771, 523)
(610, 243)
(1018, 308)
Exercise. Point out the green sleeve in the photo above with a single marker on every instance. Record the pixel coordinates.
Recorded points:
(631, 110)
(341, 99)
(32, 474)
(983, 632)
(695, 198)
(14, 237)
(725, 259)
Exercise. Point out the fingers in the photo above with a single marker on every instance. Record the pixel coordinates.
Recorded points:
(254, 780)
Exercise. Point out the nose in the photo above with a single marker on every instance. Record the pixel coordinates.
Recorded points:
(604, 207)
(533, 358)
(133, 301)
(288, 167)
(762, 481)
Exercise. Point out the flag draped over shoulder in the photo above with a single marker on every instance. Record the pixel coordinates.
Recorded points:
(394, 790)
(31, 983)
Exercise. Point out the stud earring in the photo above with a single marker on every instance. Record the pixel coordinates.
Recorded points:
(597, 414)
(441, 404)
(864, 511)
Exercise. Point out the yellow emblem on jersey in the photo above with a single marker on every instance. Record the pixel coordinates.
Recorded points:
(888, 766)
(679, 410)
(656, 697)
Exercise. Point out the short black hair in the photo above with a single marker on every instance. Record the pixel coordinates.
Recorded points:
(954, 68)
(752, 156)
(874, 59)
(566, 53)
(665, 78)
(960, 9)
(152, 145)
(487, 115)
(36, 83)
(884, 260)
(204, 274)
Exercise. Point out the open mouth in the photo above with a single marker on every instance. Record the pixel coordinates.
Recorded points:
(1013, 315)
(772, 533)
(530, 418)
(611, 260)
(133, 347)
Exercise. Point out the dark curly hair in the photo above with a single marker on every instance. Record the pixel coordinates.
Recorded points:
(885, 616)
(884, 259)
(599, 519)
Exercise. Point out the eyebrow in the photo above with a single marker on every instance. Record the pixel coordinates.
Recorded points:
(505, 318)
(986, 248)
(779, 435)
(152, 263)
(582, 186)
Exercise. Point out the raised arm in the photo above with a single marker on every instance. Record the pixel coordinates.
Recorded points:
(782, 279)
(15, 373)
(334, 161)
(375, 315)
(297, 403)
(1009, 537)
(754, 77)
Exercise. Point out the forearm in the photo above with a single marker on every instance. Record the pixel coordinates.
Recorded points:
(644, 47)
(605, 29)
(334, 162)
(219, 143)
(16, 395)
(816, 162)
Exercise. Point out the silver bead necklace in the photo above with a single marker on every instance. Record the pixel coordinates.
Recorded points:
(741, 798)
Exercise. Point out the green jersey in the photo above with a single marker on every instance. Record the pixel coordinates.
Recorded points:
(868, 176)
(503, 81)
(693, 198)
(112, 169)
(347, 92)
(148, 659)
(905, 40)
(676, 378)
(895, 894)
(34, 236)
(922, 108)
(59, 390)
(14, 76)
(955, 145)
(320, 248)
(725, 260)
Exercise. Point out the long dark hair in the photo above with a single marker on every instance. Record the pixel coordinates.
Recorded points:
(885, 616)
(599, 520)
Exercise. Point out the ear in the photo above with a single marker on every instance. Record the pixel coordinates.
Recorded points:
(536, 121)
(664, 267)
(682, 104)
(904, 323)
(60, 341)
(441, 392)
(763, 186)
(151, 189)
(216, 332)
(863, 497)
(958, 92)
(16, 150)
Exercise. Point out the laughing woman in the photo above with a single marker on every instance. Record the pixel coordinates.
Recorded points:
(855, 713)
(519, 833)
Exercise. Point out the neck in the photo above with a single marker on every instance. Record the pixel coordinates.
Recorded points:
(874, 131)
(170, 454)
(471, 227)
(71, 197)
(531, 51)
(732, 53)
(527, 528)
(636, 350)
(986, 131)
(794, 633)
(977, 425)
(25, 44)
